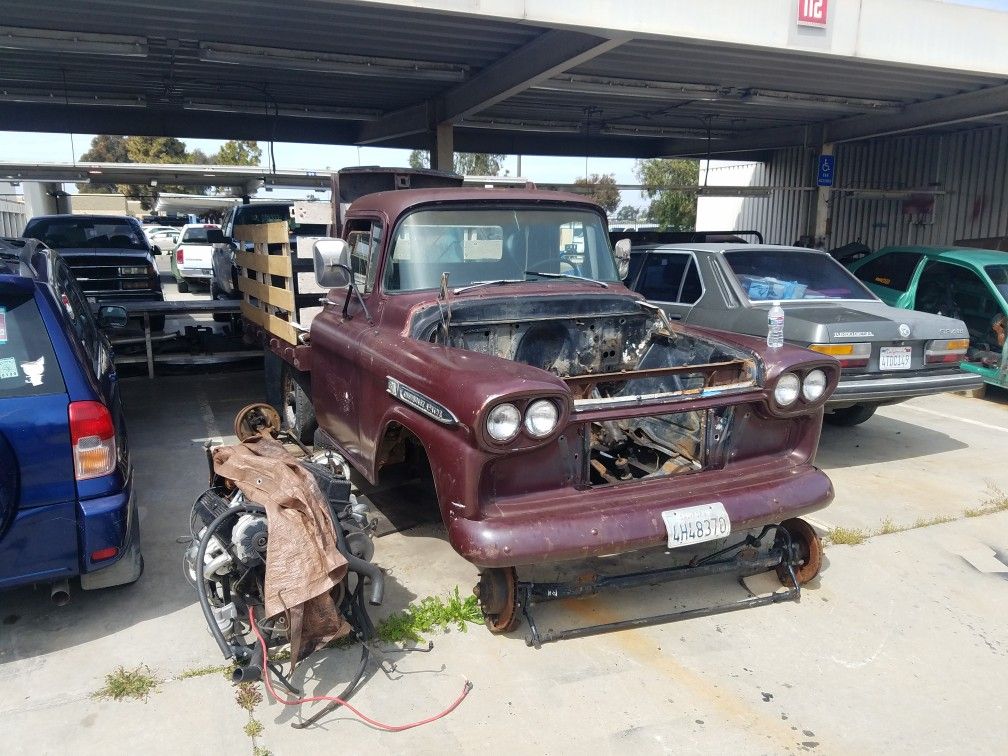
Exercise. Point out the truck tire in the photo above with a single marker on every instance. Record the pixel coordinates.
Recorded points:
(850, 416)
(298, 414)
(183, 286)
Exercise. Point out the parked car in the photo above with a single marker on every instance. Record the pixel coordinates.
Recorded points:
(887, 354)
(67, 503)
(965, 283)
(192, 258)
(161, 238)
(225, 274)
(108, 254)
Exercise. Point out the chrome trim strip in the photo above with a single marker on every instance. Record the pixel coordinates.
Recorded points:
(420, 402)
(618, 402)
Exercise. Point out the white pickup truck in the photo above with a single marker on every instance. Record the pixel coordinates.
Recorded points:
(192, 261)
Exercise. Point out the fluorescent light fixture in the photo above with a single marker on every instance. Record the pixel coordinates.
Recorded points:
(803, 101)
(663, 132)
(521, 124)
(73, 43)
(69, 98)
(293, 111)
(636, 88)
(335, 63)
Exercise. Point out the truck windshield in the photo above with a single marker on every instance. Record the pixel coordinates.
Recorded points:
(501, 243)
(77, 233)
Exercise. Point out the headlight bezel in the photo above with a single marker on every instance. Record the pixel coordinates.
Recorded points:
(524, 439)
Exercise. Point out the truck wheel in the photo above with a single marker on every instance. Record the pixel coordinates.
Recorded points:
(850, 416)
(298, 413)
(183, 286)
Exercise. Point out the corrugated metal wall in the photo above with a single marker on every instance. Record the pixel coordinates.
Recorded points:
(967, 168)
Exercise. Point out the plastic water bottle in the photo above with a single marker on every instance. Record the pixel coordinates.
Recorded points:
(775, 326)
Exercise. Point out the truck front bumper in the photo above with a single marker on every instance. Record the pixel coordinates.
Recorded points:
(870, 388)
(571, 523)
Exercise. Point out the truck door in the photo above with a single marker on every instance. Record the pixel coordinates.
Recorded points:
(336, 340)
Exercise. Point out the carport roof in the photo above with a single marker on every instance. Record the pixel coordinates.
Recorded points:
(643, 78)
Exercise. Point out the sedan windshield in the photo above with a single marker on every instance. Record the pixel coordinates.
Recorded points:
(999, 275)
(475, 245)
(786, 275)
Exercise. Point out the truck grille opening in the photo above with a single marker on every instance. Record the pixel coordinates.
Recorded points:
(646, 447)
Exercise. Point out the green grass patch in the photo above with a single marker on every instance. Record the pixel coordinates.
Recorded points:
(429, 613)
(254, 728)
(218, 669)
(134, 683)
(847, 536)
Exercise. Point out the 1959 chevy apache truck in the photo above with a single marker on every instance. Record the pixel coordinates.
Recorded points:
(562, 416)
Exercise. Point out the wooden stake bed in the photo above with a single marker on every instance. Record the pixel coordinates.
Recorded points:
(271, 278)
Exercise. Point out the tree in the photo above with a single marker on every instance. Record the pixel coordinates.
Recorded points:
(465, 163)
(105, 148)
(602, 190)
(628, 214)
(672, 210)
(238, 152)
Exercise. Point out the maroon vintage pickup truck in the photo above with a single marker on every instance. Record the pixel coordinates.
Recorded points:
(562, 416)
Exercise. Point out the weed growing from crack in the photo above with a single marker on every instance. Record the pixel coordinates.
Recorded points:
(254, 728)
(247, 696)
(996, 501)
(137, 683)
(222, 669)
(428, 613)
(847, 536)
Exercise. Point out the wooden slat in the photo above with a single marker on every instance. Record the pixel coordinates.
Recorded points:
(282, 298)
(270, 233)
(274, 325)
(274, 265)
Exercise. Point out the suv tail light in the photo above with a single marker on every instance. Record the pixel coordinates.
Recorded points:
(92, 436)
(180, 256)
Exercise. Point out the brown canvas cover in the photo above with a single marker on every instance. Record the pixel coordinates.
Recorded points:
(303, 563)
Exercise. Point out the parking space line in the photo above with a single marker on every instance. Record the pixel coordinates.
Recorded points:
(953, 417)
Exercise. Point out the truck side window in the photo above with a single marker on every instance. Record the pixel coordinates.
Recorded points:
(893, 270)
(364, 238)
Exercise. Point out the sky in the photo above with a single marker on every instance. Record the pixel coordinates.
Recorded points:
(24, 147)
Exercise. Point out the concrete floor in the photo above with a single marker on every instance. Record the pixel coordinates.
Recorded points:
(900, 646)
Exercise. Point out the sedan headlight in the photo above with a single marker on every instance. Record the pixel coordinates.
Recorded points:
(541, 418)
(814, 385)
(786, 391)
(503, 422)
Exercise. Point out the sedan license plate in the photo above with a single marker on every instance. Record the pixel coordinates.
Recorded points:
(895, 358)
(689, 525)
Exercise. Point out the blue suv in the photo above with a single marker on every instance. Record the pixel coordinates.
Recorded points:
(67, 506)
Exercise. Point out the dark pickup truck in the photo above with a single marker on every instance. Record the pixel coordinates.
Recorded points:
(108, 254)
(487, 333)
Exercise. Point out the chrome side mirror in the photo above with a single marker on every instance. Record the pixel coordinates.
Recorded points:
(623, 258)
(332, 263)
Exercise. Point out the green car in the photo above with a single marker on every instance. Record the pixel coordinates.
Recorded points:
(961, 282)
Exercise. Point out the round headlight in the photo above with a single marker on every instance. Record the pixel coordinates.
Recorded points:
(786, 391)
(503, 422)
(541, 418)
(814, 385)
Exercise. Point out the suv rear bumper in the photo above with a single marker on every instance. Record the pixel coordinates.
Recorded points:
(569, 523)
(870, 388)
(56, 541)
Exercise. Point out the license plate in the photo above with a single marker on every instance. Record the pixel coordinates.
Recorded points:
(689, 525)
(895, 358)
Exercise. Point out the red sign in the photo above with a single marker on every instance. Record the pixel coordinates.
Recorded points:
(812, 12)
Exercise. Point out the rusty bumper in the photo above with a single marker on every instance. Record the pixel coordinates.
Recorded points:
(574, 524)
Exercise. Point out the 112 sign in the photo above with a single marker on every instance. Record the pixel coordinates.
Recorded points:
(812, 12)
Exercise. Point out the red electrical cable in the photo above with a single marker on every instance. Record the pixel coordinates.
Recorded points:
(314, 699)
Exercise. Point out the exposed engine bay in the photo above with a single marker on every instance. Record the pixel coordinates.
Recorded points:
(612, 352)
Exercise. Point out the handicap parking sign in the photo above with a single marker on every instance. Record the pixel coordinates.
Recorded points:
(826, 165)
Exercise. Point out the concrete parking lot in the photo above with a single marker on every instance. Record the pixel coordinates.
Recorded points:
(900, 646)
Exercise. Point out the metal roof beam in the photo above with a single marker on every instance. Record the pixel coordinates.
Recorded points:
(545, 56)
(943, 111)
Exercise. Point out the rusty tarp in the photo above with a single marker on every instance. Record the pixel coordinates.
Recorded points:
(303, 563)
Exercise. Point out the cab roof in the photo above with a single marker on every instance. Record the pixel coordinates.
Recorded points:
(396, 202)
(975, 256)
